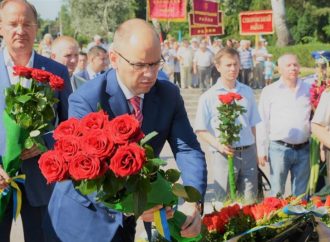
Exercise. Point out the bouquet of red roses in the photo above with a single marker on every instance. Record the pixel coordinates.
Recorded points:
(112, 159)
(27, 116)
(229, 111)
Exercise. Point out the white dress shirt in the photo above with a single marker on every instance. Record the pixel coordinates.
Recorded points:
(128, 94)
(10, 64)
(285, 115)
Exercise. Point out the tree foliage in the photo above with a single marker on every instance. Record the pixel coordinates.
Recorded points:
(99, 16)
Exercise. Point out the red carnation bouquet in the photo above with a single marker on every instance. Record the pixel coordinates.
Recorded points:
(112, 159)
(28, 113)
(229, 111)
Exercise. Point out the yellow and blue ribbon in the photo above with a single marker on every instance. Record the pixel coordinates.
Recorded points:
(161, 223)
(17, 193)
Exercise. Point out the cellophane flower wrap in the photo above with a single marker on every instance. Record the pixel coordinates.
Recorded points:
(229, 110)
(112, 159)
(27, 116)
(273, 219)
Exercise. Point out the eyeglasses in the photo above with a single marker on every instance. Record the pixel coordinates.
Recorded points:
(144, 66)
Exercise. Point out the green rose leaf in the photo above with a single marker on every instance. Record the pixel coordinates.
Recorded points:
(172, 175)
(188, 193)
(87, 186)
(148, 137)
(23, 98)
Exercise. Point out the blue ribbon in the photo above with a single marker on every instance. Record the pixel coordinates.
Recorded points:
(299, 210)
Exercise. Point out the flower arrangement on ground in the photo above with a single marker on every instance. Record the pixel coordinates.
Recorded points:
(29, 110)
(112, 159)
(229, 110)
(273, 218)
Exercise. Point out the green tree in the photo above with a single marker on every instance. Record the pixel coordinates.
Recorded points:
(99, 16)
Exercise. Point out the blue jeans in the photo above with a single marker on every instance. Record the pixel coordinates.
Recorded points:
(284, 159)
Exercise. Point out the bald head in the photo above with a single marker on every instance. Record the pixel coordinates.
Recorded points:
(62, 41)
(135, 33)
(65, 50)
(285, 58)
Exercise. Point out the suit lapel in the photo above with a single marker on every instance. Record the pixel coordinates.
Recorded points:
(115, 104)
(150, 110)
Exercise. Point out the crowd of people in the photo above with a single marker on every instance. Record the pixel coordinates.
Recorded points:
(137, 65)
(191, 64)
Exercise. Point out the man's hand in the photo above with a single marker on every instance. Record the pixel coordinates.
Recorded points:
(29, 153)
(192, 226)
(148, 215)
(3, 178)
(262, 160)
(225, 149)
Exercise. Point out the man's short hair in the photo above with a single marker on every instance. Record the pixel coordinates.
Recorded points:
(95, 51)
(225, 52)
(30, 5)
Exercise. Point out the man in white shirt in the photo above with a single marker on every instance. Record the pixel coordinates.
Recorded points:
(203, 61)
(321, 124)
(283, 134)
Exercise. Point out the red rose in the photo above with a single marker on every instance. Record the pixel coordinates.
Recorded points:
(40, 75)
(53, 166)
(125, 128)
(128, 160)
(235, 95)
(226, 99)
(22, 71)
(214, 222)
(56, 82)
(68, 146)
(93, 121)
(327, 201)
(65, 128)
(84, 166)
(98, 143)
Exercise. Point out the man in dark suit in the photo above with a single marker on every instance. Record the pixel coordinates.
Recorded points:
(19, 27)
(136, 58)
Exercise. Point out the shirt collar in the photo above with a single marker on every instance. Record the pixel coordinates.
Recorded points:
(9, 62)
(128, 94)
(219, 86)
(91, 73)
(282, 85)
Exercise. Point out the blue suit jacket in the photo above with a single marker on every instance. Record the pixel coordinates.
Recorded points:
(37, 191)
(78, 218)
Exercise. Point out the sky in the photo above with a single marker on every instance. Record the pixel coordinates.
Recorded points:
(47, 9)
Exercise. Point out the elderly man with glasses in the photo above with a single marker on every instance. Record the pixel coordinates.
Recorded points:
(136, 59)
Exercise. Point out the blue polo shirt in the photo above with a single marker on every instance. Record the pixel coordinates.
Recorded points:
(207, 113)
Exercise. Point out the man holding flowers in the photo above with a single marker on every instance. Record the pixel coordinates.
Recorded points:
(207, 123)
(131, 87)
(19, 27)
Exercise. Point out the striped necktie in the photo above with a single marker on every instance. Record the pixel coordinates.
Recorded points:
(136, 104)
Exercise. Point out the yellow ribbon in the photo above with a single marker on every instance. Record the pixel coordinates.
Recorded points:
(17, 193)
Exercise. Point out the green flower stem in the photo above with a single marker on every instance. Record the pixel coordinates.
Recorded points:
(231, 177)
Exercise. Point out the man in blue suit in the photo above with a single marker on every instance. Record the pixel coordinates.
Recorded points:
(19, 27)
(136, 58)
